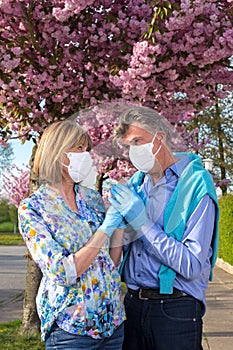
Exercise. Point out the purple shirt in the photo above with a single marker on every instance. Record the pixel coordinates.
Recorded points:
(190, 258)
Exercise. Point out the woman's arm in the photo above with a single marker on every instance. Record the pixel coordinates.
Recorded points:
(85, 256)
(54, 260)
(116, 246)
(51, 256)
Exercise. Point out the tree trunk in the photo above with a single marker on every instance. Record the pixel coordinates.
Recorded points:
(221, 148)
(30, 319)
(99, 183)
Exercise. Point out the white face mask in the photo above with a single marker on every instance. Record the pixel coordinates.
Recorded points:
(80, 165)
(142, 156)
(90, 180)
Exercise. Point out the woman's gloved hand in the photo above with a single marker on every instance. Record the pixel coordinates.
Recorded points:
(113, 219)
(129, 204)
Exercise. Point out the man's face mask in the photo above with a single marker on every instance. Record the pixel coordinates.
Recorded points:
(142, 156)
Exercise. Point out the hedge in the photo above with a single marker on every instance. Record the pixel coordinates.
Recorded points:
(225, 251)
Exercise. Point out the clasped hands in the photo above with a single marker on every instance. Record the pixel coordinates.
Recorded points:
(126, 205)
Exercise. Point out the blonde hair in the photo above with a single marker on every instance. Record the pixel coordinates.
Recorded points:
(57, 139)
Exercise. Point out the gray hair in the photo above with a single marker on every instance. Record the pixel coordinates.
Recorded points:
(145, 118)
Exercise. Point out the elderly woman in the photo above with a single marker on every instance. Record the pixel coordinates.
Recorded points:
(63, 226)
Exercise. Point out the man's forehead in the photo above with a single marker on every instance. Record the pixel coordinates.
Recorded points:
(136, 133)
(135, 130)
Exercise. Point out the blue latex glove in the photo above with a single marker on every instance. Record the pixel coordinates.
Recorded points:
(113, 219)
(136, 182)
(129, 204)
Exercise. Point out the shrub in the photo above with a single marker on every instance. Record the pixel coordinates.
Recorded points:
(6, 227)
(226, 228)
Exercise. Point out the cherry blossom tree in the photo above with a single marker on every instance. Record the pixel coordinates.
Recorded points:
(57, 56)
(185, 54)
(15, 184)
(60, 56)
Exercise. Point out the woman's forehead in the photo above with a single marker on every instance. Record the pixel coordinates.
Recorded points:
(81, 141)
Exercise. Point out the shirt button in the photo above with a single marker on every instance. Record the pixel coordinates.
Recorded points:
(138, 275)
(139, 254)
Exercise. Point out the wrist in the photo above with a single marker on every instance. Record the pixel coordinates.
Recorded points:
(147, 226)
(138, 221)
(107, 231)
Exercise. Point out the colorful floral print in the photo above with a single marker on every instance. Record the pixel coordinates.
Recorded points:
(90, 305)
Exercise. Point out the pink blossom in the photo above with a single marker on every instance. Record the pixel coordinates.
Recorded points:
(65, 56)
(15, 184)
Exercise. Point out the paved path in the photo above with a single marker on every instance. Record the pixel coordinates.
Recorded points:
(218, 321)
(13, 268)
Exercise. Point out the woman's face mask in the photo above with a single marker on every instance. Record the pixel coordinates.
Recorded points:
(80, 165)
(142, 156)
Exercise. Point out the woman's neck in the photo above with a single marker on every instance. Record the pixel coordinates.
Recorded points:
(67, 192)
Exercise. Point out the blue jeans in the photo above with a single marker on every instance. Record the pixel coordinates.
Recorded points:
(163, 324)
(61, 340)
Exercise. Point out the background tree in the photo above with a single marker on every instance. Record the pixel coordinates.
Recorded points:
(14, 217)
(213, 132)
(6, 156)
(4, 210)
(58, 57)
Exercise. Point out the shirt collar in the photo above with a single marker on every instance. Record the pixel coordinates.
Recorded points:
(180, 165)
(176, 168)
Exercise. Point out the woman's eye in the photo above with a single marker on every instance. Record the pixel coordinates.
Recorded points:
(136, 142)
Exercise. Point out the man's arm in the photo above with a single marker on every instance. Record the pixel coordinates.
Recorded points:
(188, 256)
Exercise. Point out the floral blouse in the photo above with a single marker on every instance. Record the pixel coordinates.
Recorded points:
(90, 305)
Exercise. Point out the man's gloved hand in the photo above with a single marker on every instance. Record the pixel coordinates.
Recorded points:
(113, 219)
(136, 182)
(129, 204)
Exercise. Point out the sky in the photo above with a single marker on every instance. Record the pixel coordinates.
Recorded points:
(22, 153)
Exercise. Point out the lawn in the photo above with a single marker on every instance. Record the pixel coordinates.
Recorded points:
(10, 338)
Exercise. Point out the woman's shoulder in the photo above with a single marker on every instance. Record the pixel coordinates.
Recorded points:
(35, 198)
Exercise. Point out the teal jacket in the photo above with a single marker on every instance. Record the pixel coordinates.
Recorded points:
(194, 183)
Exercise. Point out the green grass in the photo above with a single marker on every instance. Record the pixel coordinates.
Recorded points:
(11, 339)
(10, 238)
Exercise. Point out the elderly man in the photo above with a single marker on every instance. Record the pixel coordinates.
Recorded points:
(171, 203)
